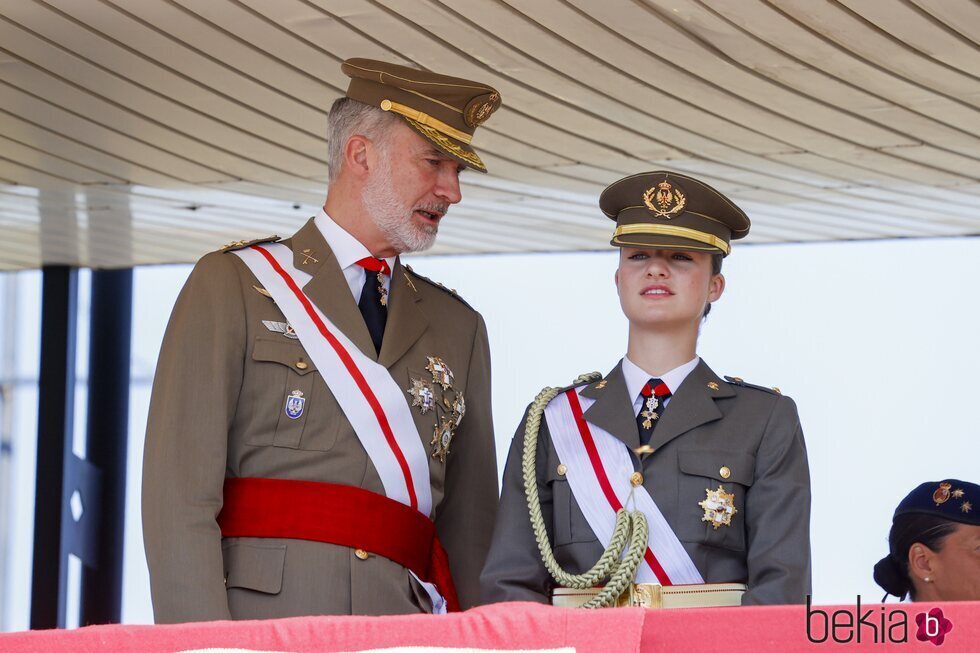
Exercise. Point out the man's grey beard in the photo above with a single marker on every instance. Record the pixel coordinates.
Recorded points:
(394, 218)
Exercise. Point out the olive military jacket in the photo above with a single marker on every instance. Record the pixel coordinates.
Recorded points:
(708, 424)
(217, 411)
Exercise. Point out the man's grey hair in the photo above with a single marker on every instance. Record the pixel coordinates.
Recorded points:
(348, 118)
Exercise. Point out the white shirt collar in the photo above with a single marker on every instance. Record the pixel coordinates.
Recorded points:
(636, 377)
(347, 249)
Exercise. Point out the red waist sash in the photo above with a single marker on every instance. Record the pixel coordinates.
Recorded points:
(338, 514)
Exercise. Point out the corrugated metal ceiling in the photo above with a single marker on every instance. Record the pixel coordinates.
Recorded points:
(148, 131)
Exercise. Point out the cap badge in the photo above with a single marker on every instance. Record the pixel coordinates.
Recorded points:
(942, 493)
(479, 109)
(719, 507)
(665, 199)
(958, 493)
(294, 404)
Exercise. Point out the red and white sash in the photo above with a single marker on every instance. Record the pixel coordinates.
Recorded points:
(372, 401)
(598, 469)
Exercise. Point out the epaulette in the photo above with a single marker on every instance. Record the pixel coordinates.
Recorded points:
(736, 380)
(240, 244)
(436, 284)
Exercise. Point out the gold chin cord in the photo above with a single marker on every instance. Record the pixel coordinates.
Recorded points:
(631, 527)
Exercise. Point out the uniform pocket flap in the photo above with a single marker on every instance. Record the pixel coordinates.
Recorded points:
(255, 567)
(725, 466)
(284, 351)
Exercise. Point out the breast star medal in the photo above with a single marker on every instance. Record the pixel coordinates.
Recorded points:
(459, 408)
(446, 402)
(719, 507)
(649, 413)
(422, 395)
(442, 437)
(441, 373)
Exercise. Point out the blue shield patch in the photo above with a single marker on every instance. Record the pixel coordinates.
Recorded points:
(294, 404)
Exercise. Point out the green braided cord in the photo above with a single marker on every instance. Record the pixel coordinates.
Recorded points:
(630, 526)
(623, 576)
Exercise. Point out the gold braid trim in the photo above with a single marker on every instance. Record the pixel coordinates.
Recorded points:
(445, 143)
(427, 120)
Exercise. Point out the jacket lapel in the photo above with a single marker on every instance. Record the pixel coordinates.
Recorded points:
(613, 407)
(692, 405)
(406, 321)
(328, 288)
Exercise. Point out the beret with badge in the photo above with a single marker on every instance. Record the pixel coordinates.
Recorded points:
(445, 110)
(949, 500)
(667, 210)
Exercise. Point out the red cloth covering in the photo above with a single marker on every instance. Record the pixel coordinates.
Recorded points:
(520, 626)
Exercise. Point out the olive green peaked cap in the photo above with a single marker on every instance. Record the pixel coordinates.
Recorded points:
(666, 210)
(446, 110)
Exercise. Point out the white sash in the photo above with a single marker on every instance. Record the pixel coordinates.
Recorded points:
(598, 469)
(371, 400)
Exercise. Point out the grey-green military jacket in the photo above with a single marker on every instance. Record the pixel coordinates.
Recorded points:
(218, 410)
(708, 424)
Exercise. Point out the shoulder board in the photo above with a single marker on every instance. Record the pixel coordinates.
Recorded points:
(736, 380)
(240, 244)
(436, 284)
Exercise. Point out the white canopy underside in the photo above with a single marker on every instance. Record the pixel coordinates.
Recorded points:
(153, 131)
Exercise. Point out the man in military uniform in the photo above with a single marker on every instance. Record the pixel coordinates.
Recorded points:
(712, 472)
(319, 437)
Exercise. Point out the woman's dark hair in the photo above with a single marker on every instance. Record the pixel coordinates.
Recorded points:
(716, 260)
(892, 571)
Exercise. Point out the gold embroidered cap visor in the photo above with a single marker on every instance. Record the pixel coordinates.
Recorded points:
(666, 210)
(445, 110)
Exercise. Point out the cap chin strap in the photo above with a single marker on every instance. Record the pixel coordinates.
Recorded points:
(427, 120)
(674, 230)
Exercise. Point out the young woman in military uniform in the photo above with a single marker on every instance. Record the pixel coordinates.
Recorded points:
(698, 484)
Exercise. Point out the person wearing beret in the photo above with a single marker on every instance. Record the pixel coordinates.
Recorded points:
(934, 544)
(319, 437)
(699, 483)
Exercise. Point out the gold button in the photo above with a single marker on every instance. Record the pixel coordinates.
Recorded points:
(777, 390)
(725, 472)
(300, 365)
(636, 479)
(361, 553)
(562, 469)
